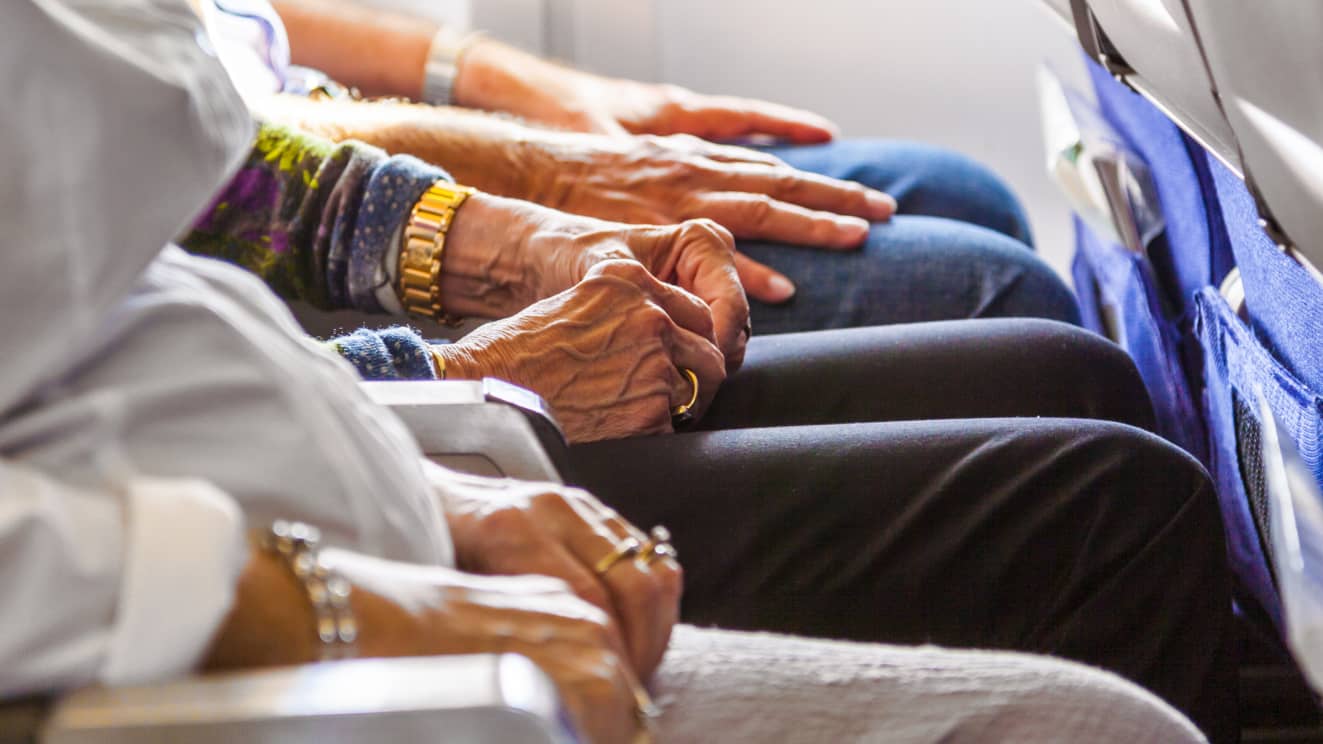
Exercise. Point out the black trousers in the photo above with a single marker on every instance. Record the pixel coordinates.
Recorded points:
(984, 484)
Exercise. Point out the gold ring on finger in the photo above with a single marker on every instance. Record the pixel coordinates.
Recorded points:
(684, 412)
(627, 548)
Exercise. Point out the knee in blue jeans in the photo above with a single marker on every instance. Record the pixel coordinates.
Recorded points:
(926, 180)
(913, 269)
(1036, 292)
(973, 271)
(944, 183)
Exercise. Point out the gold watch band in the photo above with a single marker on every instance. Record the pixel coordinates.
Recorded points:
(419, 280)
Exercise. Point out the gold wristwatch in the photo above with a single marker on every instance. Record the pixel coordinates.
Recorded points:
(419, 280)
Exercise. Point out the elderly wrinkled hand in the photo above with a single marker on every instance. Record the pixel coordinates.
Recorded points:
(606, 354)
(663, 180)
(498, 77)
(414, 610)
(512, 528)
(508, 254)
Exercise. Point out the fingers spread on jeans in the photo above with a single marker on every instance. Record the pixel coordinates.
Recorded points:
(679, 145)
(725, 118)
(733, 154)
(809, 190)
(761, 217)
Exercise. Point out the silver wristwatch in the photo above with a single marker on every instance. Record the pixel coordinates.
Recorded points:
(443, 64)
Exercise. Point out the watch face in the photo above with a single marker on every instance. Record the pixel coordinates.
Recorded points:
(418, 250)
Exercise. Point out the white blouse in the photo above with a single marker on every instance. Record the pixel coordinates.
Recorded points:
(152, 402)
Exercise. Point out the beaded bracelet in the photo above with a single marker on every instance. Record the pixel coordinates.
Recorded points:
(328, 592)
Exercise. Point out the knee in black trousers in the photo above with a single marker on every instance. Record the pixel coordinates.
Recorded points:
(955, 369)
(1085, 539)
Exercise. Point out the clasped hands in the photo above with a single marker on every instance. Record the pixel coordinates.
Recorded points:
(598, 318)
(528, 579)
(527, 553)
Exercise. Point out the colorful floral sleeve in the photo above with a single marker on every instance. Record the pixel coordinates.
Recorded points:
(313, 218)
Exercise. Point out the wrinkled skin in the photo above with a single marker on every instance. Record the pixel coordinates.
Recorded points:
(407, 610)
(652, 180)
(502, 255)
(507, 528)
(414, 610)
(526, 585)
(605, 354)
(659, 180)
(665, 175)
(497, 77)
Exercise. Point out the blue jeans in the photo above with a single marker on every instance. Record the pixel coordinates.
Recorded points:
(958, 248)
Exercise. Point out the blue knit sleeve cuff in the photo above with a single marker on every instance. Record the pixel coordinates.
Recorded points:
(393, 188)
(397, 353)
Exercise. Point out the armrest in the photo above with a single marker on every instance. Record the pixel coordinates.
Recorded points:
(486, 428)
(485, 699)
(474, 427)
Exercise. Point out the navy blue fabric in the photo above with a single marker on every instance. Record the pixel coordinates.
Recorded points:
(1194, 254)
(924, 179)
(1236, 364)
(1128, 300)
(396, 353)
(391, 191)
(912, 269)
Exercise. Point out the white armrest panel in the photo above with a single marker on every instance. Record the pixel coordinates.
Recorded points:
(485, 428)
(481, 699)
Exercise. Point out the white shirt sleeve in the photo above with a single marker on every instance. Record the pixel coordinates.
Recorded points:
(118, 587)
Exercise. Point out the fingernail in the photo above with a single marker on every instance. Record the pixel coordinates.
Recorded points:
(780, 288)
(856, 229)
(880, 203)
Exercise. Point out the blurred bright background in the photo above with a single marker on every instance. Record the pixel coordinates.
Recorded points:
(959, 73)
